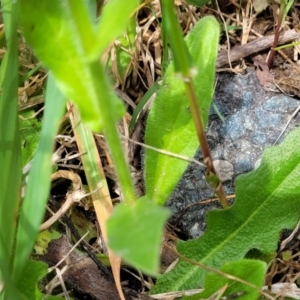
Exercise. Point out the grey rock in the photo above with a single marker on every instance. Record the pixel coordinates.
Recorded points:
(253, 121)
(224, 169)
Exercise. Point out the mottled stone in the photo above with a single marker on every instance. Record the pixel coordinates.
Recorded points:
(224, 169)
(253, 120)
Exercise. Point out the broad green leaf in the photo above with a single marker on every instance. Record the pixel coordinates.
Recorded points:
(170, 125)
(252, 271)
(114, 18)
(267, 201)
(30, 128)
(135, 233)
(37, 190)
(285, 6)
(28, 283)
(10, 148)
(64, 24)
(62, 39)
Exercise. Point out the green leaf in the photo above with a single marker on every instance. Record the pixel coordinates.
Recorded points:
(252, 271)
(135, 233)
(28, 282)
(267, 201)
(10, 148)
(30, 129)
(37, 190)
(170, 125)
(63, 40)
(43, 240)
(68, 23)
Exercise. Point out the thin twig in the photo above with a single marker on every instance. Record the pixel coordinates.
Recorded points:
(210, 173)
(290, 237)
(69, 252)
(287, 124)
(182, 157)
(64, 208)
(258, 45)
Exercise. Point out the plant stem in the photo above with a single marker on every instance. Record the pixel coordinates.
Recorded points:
(210, 173)
(111, 133)
(275, 43)
(183, 65)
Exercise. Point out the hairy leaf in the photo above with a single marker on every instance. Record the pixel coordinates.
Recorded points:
(28, 282)
(170, 125)
(267, 201)
(251, 271)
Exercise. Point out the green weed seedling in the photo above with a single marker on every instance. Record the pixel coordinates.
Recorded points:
(170, 123)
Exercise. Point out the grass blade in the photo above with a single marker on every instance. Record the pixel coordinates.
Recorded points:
(34, 204)
(10, 147)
